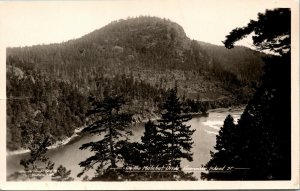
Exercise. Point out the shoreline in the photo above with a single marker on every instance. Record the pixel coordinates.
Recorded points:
(223, 109)
(78, 130)
(53, 146)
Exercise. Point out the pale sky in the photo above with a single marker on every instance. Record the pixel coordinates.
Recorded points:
(36, 22)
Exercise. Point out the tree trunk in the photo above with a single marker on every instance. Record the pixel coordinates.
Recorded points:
(172, 148)
(112, 156)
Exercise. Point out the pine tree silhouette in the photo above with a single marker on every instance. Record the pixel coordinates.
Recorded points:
(113, 124)
(175, 135)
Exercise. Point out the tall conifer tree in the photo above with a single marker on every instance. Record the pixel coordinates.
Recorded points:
(224, 144)
(176, 137)
(113, 124)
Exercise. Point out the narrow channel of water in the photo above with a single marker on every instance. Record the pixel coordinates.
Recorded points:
(204, 138)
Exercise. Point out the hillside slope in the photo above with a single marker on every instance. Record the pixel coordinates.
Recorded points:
(139, 58)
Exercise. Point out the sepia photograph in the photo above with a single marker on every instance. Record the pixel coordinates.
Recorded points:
(131, 94)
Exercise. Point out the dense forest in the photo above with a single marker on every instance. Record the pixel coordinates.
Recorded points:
(143, 68)
(164, 144)
(49, 86)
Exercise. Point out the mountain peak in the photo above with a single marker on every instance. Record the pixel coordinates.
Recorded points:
(142, 32)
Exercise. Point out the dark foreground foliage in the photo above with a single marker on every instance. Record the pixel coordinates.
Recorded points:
(259, 146)
(157, 157)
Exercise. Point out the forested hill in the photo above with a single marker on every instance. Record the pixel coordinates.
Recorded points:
(139, 58)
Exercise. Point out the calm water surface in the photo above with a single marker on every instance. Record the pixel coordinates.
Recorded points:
(204, 138)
